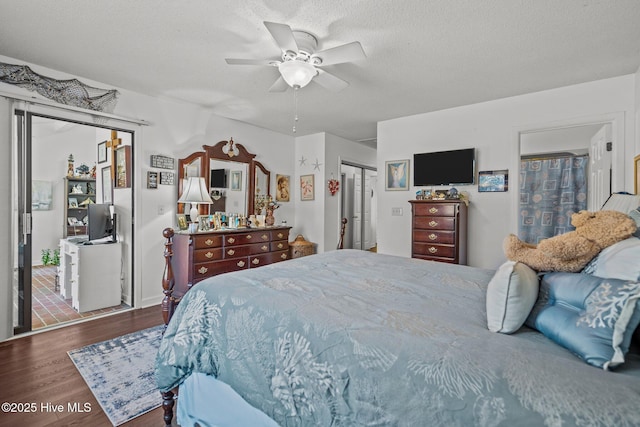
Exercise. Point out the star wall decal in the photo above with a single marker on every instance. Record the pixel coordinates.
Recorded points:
(317, 165)
(302, 161)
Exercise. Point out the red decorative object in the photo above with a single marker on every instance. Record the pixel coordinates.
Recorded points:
(334, 186)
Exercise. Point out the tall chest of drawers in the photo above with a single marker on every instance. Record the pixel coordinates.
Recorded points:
(439, 230)
(197, 256)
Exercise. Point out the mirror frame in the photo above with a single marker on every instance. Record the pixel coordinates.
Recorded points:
(243, 156)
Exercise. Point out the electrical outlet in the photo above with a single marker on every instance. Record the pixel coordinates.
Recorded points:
(396, 211)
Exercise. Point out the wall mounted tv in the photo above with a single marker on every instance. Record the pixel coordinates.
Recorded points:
(218, 178)
(454, 167)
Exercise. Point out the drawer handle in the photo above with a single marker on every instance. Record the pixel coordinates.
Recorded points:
(231, 240)
(283, 256)
(264, 247)
(240, 264)
(280, 246)
(265, 237)
(209, 255)
(255, 261)
(231, 252)
(433, 210)
(203, 270)
(209, 242)
(248, 236)
(280, 235)
(433, 223)
(432, 236)
(433, 250)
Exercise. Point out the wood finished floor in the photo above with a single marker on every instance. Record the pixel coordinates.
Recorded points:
(37, 369)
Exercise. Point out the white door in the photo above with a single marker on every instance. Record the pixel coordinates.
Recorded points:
(366, 213)
(357, 211)
(599, 185)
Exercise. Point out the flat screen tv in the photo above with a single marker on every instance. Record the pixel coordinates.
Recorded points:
(100, 222)
(453, 167)
(218, 178)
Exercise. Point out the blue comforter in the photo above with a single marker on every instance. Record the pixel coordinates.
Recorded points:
(351, 338)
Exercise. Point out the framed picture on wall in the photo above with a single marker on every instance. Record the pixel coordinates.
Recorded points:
(102, 152)
(396, 175)
(123, 167)
(306, 187)
(493, 181)
(282, 188)
(107, 185)
(152, 179)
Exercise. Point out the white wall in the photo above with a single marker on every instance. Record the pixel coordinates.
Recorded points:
(309, 214)
(492, 127)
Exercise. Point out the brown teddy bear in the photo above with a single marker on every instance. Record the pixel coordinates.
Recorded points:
(571, 251)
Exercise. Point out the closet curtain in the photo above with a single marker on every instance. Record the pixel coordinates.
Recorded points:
(551, 190)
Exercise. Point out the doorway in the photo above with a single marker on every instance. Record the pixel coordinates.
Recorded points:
(562, 170)
(62, 175)
(359, 205)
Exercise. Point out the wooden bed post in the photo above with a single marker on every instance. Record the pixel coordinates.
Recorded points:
(168, 400)
(168, 281)
(342, 229)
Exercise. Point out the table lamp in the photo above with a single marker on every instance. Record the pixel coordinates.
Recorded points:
(195, 192)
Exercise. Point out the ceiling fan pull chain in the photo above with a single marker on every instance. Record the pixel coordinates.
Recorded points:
(295, 105)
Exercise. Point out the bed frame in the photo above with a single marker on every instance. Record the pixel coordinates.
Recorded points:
(170, 303)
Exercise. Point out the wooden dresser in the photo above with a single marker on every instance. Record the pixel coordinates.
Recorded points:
(197, 256)
(439, 230)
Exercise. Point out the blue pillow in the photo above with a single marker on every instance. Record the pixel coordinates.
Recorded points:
(590, 316)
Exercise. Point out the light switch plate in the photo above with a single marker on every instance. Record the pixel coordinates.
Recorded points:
(396, 211)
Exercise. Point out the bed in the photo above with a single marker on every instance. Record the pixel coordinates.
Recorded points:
(353, 338)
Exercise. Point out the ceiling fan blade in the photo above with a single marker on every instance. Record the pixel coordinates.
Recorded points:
(233, 61)
(279, 86)
(283, 36)
(329, 81)
(344, 53)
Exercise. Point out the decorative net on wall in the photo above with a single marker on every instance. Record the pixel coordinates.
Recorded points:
(69, 92)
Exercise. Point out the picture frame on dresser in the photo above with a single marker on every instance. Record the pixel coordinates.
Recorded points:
(396, 175)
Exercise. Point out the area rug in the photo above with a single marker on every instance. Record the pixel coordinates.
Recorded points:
(120, 373)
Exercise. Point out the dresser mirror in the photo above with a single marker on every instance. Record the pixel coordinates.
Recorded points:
(233, 175)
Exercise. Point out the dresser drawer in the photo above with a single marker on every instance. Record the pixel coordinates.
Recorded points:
(280, 246)
(260, 248)
(236, 251)
(204, 255)
(269, 258)
(434, 223)
(246, 238)
(204, 270)
(207, 241)
(445, 251)
(280, 235)
(438, 209)
(427, 236)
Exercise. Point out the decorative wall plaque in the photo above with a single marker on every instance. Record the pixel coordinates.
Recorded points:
(162, 162)
(167, 178)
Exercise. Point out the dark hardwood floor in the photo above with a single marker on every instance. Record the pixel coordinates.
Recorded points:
(36, 369)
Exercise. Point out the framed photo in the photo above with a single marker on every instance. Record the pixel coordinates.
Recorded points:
(152, 179)
(306, 187)
(396, 175)
(236, 180)
(282, 188)
(182, 221)
(123, 167)
(107, 185)
(73, 202)
(493, 181)
(636, 173)
(102, 152)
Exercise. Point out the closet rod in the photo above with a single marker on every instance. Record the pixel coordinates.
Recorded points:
(37, 101)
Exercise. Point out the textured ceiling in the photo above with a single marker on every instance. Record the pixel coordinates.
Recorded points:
(422, 55)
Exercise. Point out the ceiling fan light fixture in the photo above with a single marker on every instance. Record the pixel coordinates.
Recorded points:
(297, 73)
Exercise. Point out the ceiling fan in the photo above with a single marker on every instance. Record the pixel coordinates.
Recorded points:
(300, 63)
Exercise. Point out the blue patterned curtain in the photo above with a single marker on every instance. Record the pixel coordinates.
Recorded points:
(551, 190)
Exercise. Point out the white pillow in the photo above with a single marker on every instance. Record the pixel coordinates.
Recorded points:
(511, 294)
(619, 261)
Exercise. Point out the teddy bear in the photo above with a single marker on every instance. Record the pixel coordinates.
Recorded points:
(572, 251)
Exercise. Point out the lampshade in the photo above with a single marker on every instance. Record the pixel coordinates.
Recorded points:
(195, 192)
(297, 73)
